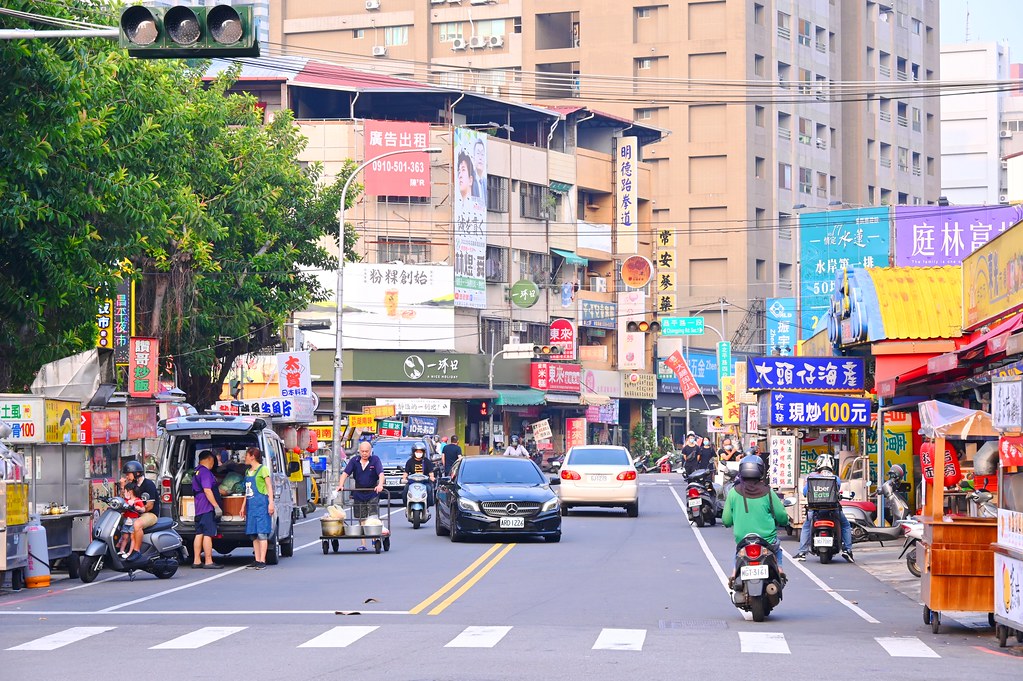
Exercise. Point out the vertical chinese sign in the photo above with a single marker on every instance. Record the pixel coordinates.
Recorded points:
(667, 278)
(143, 355)
(627, 195)
(124, 320)
(470, 220)
(293, 374)
(631, 344)
(781, 322)
(563, 333)
(401, 174)
(575, 432)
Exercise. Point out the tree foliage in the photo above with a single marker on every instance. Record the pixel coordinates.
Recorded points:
(113, 167)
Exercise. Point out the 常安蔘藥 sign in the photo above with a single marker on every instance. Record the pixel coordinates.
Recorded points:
(804, 373)
(779, 408)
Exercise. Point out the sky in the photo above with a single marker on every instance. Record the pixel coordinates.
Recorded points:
(990, 21)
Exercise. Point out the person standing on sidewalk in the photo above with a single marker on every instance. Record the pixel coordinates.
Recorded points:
(451, 453)
(207, 511)
(258, 506)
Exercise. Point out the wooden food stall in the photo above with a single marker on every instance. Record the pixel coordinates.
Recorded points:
(958, 565)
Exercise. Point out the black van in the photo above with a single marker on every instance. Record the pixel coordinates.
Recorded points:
(184, 437)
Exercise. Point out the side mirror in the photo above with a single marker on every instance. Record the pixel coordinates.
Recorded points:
(789, 502)
(555, 481)
(849, 495)
(294, 467)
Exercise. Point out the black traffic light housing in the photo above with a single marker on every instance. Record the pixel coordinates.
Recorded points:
(547, 350)
(188, 32)
(644, 326)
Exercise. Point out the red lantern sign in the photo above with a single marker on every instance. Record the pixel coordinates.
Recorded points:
(952, 473)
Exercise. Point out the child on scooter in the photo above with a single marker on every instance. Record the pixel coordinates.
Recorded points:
(135, 508)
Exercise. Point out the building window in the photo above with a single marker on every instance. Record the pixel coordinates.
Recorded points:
(916, 119)
(805, 32)
(761, 269)
(497, 265)
(406, 200)
(784, 276)
(535, 266)
(805, 130)
(758, 168)
(784, 176)
(805, 180)
(822, 185)
(758, 116)
(917, 27)
(644, 12)
(930, 166)
(450, 31)
(495, 334)
(644, 64)
(490, 28)
(760, 215)
(644, 114)
(532, 200)
(396, 35)
(758, 14)
(784, 26)
(409, 251)
(758, 65)
(497, 194)
(805, 81)
(358, 33)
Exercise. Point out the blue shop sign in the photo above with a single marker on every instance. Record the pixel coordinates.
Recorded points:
(779, 408)
(422, 425)
(804, 373)
(598, 314)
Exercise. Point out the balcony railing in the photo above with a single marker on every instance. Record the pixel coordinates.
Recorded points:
(885, 71)
(804, 40)
(821, 48)
(822, 192)
(804, 139)
(784, 133)
(901, 75)
(886, 116)
(904, 167)
(903, 121)
(784, 32)
(886, 163)
(916, 171)
(821, 143)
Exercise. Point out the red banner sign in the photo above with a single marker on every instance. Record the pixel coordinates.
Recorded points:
(1010, 451)
(563, 333)
(100, 427)
(141, 422)
(143, 355)
(677, 363)
(575, 433)
(556, 377)
(952, 473)
(400, 174)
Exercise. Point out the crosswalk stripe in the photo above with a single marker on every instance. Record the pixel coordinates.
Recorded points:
(338, 637)
(905, 646)
(763, 642)
(62, 638)
(620, 639)
(478, 637)
(198, 638)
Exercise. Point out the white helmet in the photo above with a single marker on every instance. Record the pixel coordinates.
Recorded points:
(825, 462)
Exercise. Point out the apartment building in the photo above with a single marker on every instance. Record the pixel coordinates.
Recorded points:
(745, 87)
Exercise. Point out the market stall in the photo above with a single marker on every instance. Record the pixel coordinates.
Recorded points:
(13, 514)
(1007, 414)
(958, 566)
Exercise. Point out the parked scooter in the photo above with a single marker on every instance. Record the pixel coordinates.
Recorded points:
(160, 554)
(417, 496)
(701, 498)
(757, 586)
(866, 531)
(985, 506)
(914, 532)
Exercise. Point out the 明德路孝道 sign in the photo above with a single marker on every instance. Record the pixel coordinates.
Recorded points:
(805, 373)
(779, 408)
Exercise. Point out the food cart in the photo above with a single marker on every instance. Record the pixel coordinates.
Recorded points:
(13, 514)
(1007, 413)
(958, 565)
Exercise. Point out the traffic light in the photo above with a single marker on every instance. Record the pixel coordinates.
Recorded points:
(644, 326)
(484, 408)
(547, 350)
(188, 32)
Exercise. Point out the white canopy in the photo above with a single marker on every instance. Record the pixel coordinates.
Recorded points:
(940, 419)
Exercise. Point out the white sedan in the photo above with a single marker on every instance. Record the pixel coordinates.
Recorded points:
(599, 475)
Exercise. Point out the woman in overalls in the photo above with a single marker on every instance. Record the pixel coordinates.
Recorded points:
(258, 508)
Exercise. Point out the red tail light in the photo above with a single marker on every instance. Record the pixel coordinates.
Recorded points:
(570, 475)
(693, 493)
(823, 523)
(165, 490)
(627, 475)
(753, 551)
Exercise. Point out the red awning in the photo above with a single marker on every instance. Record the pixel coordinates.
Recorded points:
(992, 342)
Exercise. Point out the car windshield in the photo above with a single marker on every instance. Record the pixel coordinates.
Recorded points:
(499, 471)
(393, 452)
(598, 457)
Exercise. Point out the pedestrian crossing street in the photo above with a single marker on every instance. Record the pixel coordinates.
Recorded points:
(479, 637)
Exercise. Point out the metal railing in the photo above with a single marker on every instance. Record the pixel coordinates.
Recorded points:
(784, 133)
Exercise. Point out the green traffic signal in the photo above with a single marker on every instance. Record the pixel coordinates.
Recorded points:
(188, 32)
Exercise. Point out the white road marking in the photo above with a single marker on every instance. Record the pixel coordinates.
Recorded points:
(158, 594)
(620, 639)
(193, 613)
(338, 637)
(831, 592)
(763, 642)
(905, 646)
(62, 638)
(98, 581)
(198, 638)
(706, 551)
(478, 637)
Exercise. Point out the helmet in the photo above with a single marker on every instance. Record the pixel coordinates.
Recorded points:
(825, 462)
(897, 472)
(418, 447)
(751, 467)
(515, 439)
(132, 467)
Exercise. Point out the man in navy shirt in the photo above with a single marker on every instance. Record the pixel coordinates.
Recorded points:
(368, 472)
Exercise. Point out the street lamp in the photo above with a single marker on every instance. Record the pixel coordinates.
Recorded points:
(336, 436)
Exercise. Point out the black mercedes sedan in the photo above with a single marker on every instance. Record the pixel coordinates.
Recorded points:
(497, 495)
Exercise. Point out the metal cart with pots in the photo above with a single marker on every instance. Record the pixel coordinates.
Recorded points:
(333, 531)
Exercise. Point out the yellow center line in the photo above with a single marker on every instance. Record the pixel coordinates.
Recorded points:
(469, 584)
(462, 575)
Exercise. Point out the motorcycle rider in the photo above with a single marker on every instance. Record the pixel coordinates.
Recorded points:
(516, 448)
(145, 489)
(824, 468)
(419, 463)
(753, 508)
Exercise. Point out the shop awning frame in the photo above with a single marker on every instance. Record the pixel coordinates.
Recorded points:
(519, 397)
(570, 257)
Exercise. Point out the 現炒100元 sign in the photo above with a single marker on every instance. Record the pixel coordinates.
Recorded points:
(779, 408)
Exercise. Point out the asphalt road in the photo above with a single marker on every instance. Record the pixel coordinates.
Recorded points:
(618, 598)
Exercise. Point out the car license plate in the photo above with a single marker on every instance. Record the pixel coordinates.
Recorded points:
(695, 503)
(823, 541)
(393, 481)
(513, 523)
(753, 572)
(598, 478)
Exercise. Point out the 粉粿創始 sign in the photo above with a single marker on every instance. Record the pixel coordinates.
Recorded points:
(401, 174)
(805, 373)
(813, 409)
(992, 280)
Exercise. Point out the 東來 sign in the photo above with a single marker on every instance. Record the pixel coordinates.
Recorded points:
(805, 373)
(556, 377)
(779, 408)
(681, 326)
(563, 334)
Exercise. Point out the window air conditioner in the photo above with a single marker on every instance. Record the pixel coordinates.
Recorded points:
(372, 4)
(599, 284)
(457, 44)
(379, 51)
(496, 41)
(1005, 134)
(519, 327)
(477, 41)
(1003, 198)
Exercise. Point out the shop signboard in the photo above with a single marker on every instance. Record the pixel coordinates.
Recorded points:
(115, 319)
(470, 218)
(410, 368)
(1010, 528)
(780, 408)
(783, 461)
(603, 413)
(281, 409)
(62, 420)
(322, 433)
(100, 427)
(1010, 451)
(141, 422)
(390, 428)
(1007, 404)
(555, 377)
(382, 411)
(422, 425)
(627, 194)
(524, 293)
(542, 430)
(724, 356)
(422, 406)
(598, 314)
(639, 386)
(637, 271)
(563, 334)
(951, 471)
(1009, 588)
(831, 241)
(752, 416)
(401, 174)
(991, 279)
(781, 325)
(26, 417)
(575, 432)
(731, 414)
(600, 382)
(678, 365)
(936, 236)
(665, 253)
(363, 421)
(294, 377)
(742, 395)
(805, 373)
(143, 362)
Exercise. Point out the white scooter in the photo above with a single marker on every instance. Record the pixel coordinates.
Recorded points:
(417, 495)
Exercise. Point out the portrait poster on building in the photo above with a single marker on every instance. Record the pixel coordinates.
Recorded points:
(470, 219)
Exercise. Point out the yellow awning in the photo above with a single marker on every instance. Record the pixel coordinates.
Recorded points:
(919, 302)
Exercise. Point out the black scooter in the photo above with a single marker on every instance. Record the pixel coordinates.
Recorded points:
(863, 531)
(757, 586)
(701, 498)
(160, 554)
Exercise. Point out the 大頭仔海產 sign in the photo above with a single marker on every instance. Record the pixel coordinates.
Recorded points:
(805, 373)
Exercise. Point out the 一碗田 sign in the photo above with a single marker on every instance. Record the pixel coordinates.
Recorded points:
(805, 373)
(779, 408)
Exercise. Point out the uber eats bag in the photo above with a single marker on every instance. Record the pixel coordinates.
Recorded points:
(821, 491)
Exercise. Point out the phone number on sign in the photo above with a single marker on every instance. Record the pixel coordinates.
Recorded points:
(389, 166)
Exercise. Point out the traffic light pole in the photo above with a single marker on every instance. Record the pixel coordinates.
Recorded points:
(490, 387)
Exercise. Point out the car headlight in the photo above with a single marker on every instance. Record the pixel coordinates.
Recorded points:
(468, 505)
(549, 505)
